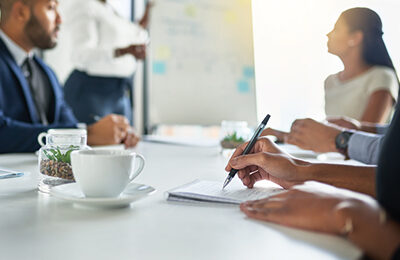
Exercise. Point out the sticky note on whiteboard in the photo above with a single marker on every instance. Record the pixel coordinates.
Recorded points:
(190, 10)
(243, 86)
(248, 72)
(159, 67)
(230, 16)
(163, 53)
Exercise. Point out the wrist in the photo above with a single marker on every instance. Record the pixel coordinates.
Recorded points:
(304, 171)
(359, 223)
(342, 142)
(344, 218)
(118, 53)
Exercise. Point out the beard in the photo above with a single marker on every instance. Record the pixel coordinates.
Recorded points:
(37, 34)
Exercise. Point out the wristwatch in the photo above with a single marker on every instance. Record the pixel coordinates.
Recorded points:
(342, 141)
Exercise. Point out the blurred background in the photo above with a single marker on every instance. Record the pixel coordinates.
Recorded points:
(233, 60)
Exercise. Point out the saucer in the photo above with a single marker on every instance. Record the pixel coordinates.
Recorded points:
(72, 192)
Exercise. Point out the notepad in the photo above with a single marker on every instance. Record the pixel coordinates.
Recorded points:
(211, 191)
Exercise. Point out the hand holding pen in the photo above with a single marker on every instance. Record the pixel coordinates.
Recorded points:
(249, 146)
(266, 161)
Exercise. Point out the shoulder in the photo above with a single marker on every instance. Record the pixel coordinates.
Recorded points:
(383, 78)
(331, 80)
(383, 73)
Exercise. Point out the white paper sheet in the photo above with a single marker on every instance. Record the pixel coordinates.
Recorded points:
(211, 191)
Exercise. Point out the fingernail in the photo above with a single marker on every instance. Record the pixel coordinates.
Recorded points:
(251, 209)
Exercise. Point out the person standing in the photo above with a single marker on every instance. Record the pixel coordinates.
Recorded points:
(31, 98)
(104, 51)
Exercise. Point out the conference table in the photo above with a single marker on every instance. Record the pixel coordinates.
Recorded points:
(36, 225)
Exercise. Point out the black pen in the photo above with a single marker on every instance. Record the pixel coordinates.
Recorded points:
(248, 148)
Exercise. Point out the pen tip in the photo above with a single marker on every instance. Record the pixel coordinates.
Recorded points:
(226, 183)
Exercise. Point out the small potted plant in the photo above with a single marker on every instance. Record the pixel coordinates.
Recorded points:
(57, 163)
(232, 141)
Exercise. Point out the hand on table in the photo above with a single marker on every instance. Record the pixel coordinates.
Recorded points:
(309, 134)
(312, 206)
(265, 162)
(346, 122)
(131, 139)
(280, 135)
(111, 129)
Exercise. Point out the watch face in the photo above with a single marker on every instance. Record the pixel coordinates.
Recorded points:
(342, 140)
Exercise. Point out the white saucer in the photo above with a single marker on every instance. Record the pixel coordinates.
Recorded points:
(72, 192)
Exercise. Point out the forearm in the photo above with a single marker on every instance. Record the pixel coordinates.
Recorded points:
(373, 128)
(379, 239)
(356, 178)
(368, 127)
(364, 147)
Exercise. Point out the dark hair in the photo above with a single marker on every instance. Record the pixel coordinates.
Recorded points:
(370, 24)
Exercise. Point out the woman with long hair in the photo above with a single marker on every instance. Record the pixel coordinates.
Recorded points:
(367, 88)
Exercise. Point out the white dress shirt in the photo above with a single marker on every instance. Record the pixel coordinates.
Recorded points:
(95, 31)
(17, 52)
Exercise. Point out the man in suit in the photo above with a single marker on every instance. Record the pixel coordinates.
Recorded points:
(31, 99)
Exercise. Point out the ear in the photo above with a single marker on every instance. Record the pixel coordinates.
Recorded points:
(356, 39)
(21, 12)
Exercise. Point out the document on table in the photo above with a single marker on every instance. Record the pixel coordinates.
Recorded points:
(182, 141)
(211, 191)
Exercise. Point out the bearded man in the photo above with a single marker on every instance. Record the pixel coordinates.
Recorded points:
(31, 99)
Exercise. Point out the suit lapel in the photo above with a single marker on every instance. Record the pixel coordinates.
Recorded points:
(21, 80)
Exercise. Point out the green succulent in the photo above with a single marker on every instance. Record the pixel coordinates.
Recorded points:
(57, 155)
(233, 138)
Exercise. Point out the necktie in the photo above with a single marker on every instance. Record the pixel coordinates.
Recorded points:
(31, 75)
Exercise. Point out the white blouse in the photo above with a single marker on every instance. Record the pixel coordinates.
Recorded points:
(95, 31)
(350, 98)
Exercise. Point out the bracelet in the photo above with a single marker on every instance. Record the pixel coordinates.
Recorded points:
(347, 228)
(382, 216)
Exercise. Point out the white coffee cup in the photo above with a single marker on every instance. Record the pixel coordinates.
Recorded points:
(105, 173)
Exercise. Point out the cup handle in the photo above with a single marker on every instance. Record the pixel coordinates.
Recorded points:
(40, 138)
(139, 168)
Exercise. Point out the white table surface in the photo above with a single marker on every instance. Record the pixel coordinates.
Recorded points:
(34, 225)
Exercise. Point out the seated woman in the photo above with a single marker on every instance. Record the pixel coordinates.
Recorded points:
(367, 88)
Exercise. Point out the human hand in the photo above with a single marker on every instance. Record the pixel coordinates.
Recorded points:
(280, 135)
(345, 122)
(323, 208)
(309, 134)
(312, 206)
(136, 50)
(145, 19)
(111, 129)
(131, 139)
(265, 162)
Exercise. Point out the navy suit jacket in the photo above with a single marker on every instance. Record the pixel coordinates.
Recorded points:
(19, 123)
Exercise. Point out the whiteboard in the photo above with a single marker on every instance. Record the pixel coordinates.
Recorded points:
(202, 62)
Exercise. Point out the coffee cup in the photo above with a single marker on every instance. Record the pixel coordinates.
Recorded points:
(105, 173)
